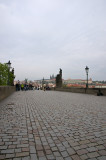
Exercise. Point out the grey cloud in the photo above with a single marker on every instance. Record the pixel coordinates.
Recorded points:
(41, 36)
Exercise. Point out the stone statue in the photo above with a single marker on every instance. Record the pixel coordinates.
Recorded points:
(59, 79)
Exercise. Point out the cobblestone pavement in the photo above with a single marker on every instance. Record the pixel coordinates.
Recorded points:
(51, 125)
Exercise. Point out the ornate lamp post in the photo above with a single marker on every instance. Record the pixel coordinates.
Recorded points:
(9, 66)
(42, 83)
(13, 76)
(87, 70)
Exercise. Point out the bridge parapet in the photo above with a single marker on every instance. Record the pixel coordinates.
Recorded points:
(93, 91)
(5, 91)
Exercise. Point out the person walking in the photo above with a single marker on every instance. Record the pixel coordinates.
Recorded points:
(22, 86)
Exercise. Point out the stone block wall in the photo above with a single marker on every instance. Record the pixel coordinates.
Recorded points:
(5, 91)
(93, 91)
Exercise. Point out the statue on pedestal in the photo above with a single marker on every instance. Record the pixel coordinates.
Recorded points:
(59, 79)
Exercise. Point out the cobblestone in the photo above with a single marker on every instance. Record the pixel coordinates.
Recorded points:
(93, 154)
(51, 125)
(102, 158)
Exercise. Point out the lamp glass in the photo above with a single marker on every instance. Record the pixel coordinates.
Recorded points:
(87, 69)
(9, 64)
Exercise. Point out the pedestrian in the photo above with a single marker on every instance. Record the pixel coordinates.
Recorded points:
(44, 87)
(17, 87)
(22, 86)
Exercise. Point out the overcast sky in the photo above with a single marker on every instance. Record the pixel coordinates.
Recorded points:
(41, 36)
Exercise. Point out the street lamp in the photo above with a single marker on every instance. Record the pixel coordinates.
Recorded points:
(87, 70)
(9, 66)
(42, 83)
(13, 77)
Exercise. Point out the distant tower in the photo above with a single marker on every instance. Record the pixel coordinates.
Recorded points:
(52, 76)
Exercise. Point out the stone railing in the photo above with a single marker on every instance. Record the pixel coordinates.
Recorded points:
(5, 91)
(93, 91)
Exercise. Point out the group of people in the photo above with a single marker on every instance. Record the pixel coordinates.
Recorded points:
(23, 87)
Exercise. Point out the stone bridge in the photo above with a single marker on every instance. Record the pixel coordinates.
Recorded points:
(52, 125)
